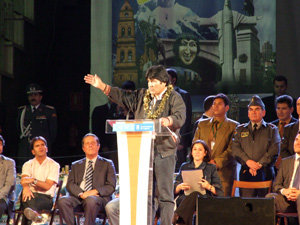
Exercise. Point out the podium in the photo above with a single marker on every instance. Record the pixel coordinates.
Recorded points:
(135, 154)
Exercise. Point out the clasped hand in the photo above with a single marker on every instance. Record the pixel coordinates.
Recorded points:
(86, 194)
(253, 167)
(291, 194)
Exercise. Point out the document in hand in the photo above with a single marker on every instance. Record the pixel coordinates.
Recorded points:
(192, 178)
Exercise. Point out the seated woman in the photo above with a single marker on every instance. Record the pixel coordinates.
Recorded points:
(199, 159)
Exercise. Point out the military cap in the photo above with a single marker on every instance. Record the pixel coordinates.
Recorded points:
(33, 88)
(256, 101)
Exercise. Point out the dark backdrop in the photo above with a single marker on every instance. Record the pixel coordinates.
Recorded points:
(56, 55)
(288, 42)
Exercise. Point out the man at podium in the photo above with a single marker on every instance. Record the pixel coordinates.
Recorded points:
(159, 102)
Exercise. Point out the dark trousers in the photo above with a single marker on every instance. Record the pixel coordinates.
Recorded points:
(3, 207)
(187, 208)
(163, 187)
(39, 202)
(283, 205)
(91, 206)
(263, 174)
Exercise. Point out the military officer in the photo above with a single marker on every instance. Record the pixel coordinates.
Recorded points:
(256, 146)
(35, 119)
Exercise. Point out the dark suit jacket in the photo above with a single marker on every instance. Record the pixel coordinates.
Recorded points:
(276, 122)
(285, 173)
(7, 178)
(287, 142)
(185, 130)
(104, 178)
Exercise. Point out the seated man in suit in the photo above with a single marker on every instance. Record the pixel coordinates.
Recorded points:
(289, 134)
(39, 178)
(7, 181)
(91, 183)
(287, 183)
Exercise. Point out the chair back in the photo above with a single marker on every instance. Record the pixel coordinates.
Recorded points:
(57, 194)
(250, 184)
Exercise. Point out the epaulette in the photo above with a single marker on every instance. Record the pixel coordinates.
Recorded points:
(49, 107)
(22, 107)
(241, 125)
(272, 125)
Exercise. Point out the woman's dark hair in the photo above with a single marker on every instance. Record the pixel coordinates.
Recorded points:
(207, 157)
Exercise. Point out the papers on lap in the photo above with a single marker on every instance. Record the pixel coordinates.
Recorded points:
(192, 178)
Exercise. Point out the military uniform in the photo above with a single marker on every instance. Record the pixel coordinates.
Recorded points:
(262, 146)
(41, 122)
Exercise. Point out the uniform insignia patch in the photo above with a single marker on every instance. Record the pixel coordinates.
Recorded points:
(245, 134)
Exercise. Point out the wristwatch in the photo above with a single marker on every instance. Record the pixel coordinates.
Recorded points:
(35, 181)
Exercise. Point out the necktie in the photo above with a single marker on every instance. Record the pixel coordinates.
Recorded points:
(281, 129)
(89, 177)
(215, 128)
(33, 109)
(297, 176)
(254, 128)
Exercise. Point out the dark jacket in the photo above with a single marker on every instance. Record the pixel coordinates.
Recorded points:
(186, 129)
(43, 122)
(285, 173)
(264, 148)
(209, 171)
(287, 142)
(276, 122)
(174, 107)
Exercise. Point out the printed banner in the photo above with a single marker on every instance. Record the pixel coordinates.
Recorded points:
(216, 45)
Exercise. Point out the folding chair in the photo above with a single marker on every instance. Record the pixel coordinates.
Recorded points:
(51, 212)
(253, 185)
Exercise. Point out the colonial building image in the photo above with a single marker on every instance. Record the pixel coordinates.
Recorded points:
(126, 68)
